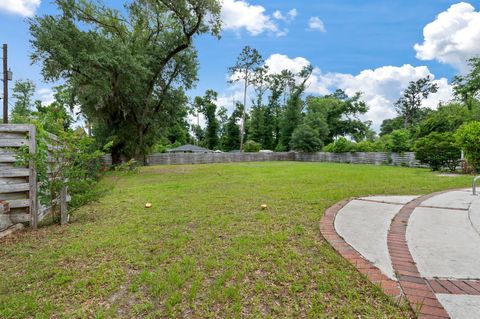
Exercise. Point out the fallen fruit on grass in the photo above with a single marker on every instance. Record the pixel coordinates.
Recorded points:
(148, 205)
(264, 206)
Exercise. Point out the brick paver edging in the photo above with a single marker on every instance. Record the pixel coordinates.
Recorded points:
(418, 290)
(374, 274)
(456, 287)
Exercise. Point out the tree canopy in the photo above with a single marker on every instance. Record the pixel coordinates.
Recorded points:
(408, 106)
(128, 72)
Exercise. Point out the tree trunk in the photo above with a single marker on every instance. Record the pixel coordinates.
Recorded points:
(116, 154)
(242, 131)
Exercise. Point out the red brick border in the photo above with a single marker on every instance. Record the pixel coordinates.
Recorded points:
(457, 287)
(417, 289)
(374, 274)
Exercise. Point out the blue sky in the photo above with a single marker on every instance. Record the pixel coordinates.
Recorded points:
(354, 45)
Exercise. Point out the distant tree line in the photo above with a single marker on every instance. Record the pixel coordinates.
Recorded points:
(127, 74)
(280, 117)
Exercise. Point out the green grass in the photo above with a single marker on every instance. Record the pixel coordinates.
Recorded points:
(205, 248)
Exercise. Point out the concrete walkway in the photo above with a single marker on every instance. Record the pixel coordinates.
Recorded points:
(423, 249)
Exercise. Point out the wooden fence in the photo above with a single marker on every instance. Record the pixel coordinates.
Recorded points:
(205, 158)
(18, 185)
(377, 158)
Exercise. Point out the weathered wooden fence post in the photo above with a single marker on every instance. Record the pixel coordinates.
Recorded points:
(32, 149)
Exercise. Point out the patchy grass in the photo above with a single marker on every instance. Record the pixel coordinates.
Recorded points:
(205, 248)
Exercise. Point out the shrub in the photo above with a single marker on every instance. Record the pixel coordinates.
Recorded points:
(280, 148)
(252, 147)
(342, 145)
(399, 141)
(305, 139)
(468, 139)
(365, 146)
(438, 150)
(132, 166)
(73, 162)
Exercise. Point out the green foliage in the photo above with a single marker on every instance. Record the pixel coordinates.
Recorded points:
(390, 125)
(70, 159)
(409, 105)
(438, 150)
(318, 122)
(340, 113)
(366, 146)
(132, 166)
(128, 69)
(468, 139)
(207, 106)
(305, 139)
(467, 87)
(399, 141)
(447, 118)
(71, 163)
(252, 146)
(257, 125)
(23, 92)
(231, 140)
(164, 145)
(293, 114)
(341, 145)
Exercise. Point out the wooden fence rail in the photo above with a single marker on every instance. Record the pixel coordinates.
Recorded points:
(376, 158)
(18, 185)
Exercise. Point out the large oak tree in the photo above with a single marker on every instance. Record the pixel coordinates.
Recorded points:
(128, 68)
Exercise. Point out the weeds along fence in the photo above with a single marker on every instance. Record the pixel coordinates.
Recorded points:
(19, 189)
(376, 158)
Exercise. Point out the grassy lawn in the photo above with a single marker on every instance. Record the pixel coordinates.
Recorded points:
(205, 248)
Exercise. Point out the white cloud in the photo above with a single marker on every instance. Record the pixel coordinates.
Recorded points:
(381, 87)
(239, 14)
(289, 17)
(292, 13)
(25, 8)
(45, 95)
(453, 37)
(316, 24)
(279, 62)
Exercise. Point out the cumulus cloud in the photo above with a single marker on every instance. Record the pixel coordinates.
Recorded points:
(25, 8)
(316, 24)
(289, 17)
(239, 14)
(279, 62)
(381, 87)
(453, 37)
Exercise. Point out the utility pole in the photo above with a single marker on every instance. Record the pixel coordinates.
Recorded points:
(5, 84)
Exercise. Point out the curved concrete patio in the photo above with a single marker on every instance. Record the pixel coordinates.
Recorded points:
(424, 249)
